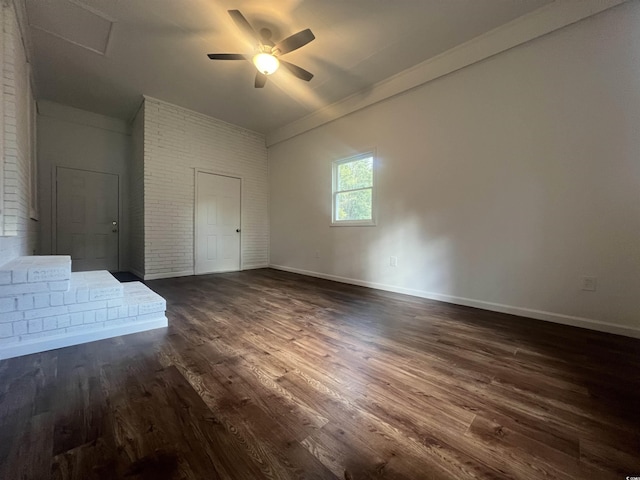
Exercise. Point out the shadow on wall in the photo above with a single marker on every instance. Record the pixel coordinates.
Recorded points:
(503, 235)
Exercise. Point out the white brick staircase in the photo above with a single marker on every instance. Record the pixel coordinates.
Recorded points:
(43, 305)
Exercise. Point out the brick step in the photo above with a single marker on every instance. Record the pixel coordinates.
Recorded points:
(137, 303)
(36, 274)
(44, 306)
(92, 286)
(87, 291)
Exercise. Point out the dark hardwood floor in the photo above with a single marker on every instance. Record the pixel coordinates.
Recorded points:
(265, 374)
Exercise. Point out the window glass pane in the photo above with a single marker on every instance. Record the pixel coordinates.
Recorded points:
(354, 205)
(356, 174)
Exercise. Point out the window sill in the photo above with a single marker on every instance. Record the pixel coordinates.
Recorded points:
(346, 223)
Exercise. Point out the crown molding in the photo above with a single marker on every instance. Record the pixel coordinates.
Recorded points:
(535, 24)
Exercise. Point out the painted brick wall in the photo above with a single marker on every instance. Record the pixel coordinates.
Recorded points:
(43, 306)
(20, 232)
(176, 142)
(136, 196)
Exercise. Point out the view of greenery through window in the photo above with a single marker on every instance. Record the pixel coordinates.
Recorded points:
(354, 190)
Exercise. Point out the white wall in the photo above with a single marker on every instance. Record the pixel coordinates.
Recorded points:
(176, 142)
(19, 230)
(72, 138)
(500, 185)
(136, 187)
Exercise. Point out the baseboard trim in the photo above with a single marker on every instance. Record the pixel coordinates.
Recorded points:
(255, 266)
(157, 276)
(560, 318)
(60, 341)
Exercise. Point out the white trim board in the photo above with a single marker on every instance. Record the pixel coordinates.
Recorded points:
(157, 276)
(254, 266)
(528, 27)
(188, 273)
(65, 340)
(552, 317)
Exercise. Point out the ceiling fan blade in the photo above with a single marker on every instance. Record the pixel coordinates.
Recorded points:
(294, 42)
(226, 56)
(261, 79)
(299, 72)
(244, 25)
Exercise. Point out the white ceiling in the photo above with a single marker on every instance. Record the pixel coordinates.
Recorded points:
(158, 48)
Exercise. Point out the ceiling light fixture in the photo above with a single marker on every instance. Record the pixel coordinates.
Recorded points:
(266, 63)
(266, 56)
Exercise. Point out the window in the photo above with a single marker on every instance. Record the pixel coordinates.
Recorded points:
(353, 196)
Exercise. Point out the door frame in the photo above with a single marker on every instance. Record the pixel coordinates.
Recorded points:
(54, 206)
(195, 212)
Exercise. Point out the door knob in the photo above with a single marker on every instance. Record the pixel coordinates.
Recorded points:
(115, 226)
(238, 230)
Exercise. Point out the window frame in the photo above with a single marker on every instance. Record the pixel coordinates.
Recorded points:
(334, 191)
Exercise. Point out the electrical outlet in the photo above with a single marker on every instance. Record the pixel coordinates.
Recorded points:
(589, 284)
(393, 261)
(317, 254)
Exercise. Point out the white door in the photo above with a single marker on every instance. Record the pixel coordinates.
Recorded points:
(217, 223)
(87, 218)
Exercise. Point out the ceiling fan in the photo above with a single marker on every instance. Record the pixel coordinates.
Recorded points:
(266, 58)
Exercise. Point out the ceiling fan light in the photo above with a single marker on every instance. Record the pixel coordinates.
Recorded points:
(266, 63)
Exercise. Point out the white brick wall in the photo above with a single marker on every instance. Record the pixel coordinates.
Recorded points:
(93, 304)
(176, 142)
(136, 198)
(20, 232)
(4, 246)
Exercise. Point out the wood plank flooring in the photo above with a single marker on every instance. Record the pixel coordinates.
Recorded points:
(269, 375)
